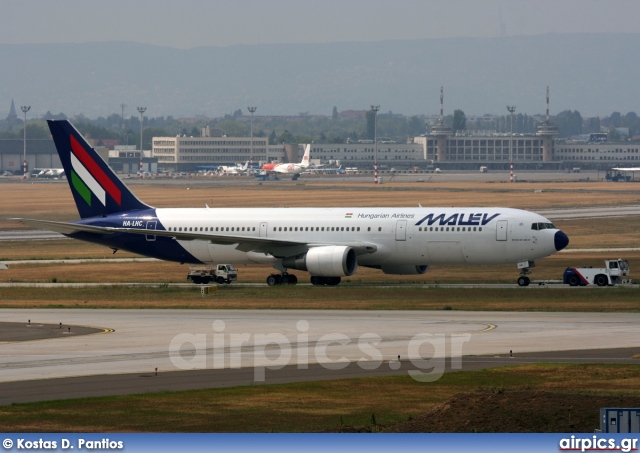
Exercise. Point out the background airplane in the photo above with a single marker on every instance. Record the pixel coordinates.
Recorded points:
(329, 243)
(233, 170)
(290, 169)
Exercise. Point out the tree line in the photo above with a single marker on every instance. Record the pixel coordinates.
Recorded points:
(306, 128)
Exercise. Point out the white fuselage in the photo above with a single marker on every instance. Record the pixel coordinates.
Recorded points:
(289, 169)
(401, 236)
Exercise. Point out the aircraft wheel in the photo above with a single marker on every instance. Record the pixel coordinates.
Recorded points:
(196, 280)
(220, 280)
(523, 281)
(315, 280)
(333, 281)
(273, 280)
(292, 280)
(285, 279)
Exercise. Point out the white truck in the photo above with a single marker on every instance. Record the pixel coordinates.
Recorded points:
(220, 273)
(611, 274)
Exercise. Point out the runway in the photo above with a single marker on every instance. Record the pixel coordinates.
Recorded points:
(209, 348)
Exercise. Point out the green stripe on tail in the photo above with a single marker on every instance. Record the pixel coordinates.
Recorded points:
(81, 187)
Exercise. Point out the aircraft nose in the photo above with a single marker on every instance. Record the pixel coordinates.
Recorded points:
(560, 240)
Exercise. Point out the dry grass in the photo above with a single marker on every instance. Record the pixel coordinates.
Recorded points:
(366, 297)
(53, 200)
(305, 407)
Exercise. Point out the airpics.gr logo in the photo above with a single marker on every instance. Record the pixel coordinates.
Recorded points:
(87, 177)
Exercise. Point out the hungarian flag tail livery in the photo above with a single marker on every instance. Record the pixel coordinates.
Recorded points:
(96, 189)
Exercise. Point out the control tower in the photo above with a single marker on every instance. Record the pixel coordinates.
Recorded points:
(441, 132)
(546, 131)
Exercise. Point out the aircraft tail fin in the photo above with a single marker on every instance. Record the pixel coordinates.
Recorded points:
(96, 189)
(305, 158)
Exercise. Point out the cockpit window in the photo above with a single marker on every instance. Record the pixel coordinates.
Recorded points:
(542, 226)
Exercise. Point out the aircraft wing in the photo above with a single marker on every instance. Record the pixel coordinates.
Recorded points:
(61, 227)
(276, 247)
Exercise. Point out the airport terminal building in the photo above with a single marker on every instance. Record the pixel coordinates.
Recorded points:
(211, 149)
(439, 149)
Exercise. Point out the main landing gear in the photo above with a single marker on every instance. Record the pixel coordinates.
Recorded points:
(290, 279)
(326, 281)
(524, 266)
(282, 279)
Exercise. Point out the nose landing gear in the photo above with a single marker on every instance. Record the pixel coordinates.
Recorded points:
(524, 266)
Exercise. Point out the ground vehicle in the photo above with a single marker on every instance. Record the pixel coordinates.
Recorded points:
(609, 275)
(220, 273)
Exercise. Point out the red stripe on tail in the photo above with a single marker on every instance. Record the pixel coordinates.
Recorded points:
(95, 170)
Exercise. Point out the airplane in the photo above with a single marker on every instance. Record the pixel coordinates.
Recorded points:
(329, 243)
(622, 173)
(236, 170)
(290, 169)
(51, 173)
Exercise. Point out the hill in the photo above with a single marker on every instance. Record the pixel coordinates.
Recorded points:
(591, 73)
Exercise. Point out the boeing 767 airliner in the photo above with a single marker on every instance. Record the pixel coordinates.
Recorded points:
(329, 243)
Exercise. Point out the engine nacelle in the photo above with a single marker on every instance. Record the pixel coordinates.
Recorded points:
(328, 261)
(405, 269)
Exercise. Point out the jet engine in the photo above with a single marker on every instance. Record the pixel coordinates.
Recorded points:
(326, 261)
(405, 269)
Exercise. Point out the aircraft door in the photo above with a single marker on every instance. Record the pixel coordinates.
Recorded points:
(263, 229)
(151, 225)
(401, 230)
(501, 230)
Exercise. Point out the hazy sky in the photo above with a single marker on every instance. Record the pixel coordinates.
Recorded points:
(194, 23)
